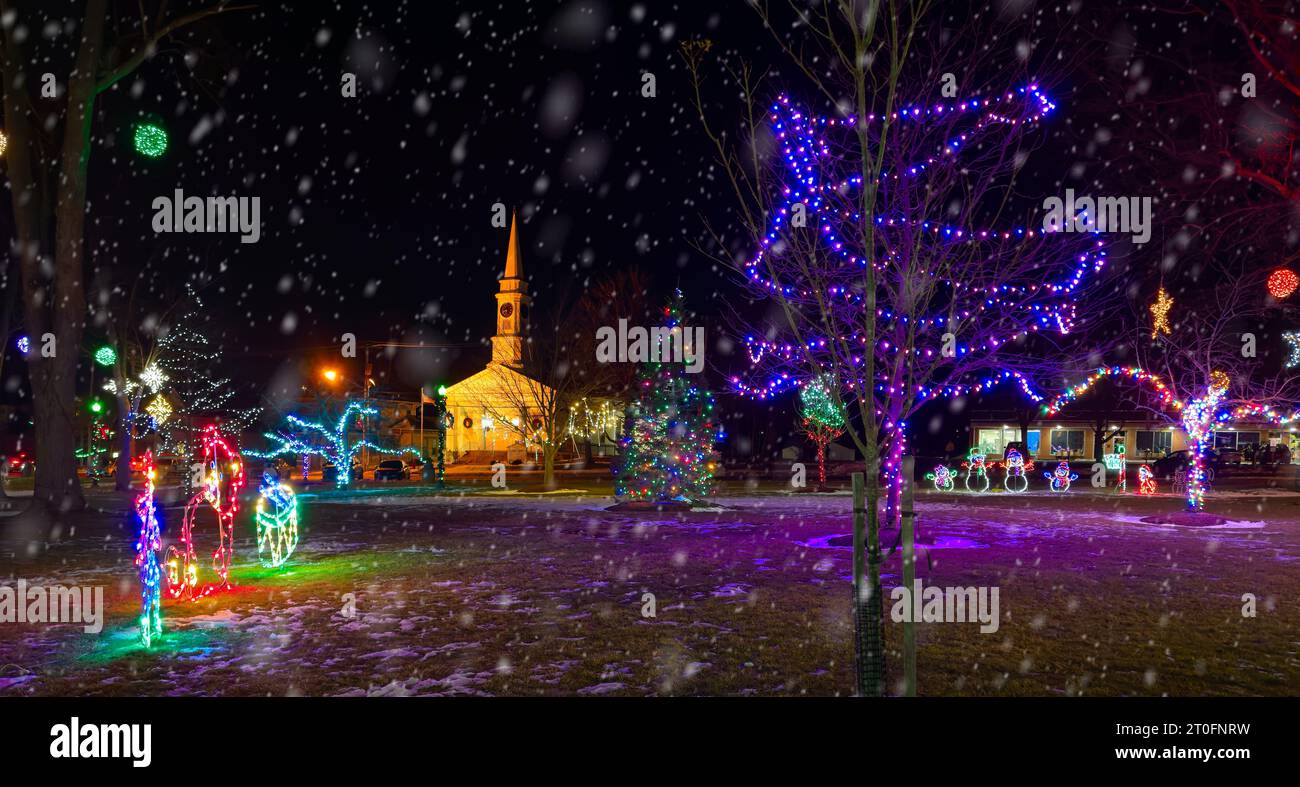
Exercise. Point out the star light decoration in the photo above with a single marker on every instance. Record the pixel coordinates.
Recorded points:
(153, 378)
(159, 410)
(1160, 314)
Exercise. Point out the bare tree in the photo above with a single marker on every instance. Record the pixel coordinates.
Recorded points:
(49, 149)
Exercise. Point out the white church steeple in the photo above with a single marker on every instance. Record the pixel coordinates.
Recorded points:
(512, 306)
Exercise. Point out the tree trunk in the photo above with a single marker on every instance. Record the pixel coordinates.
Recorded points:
(870, 646)
(56, 307)
(125, 444)
(548, 465)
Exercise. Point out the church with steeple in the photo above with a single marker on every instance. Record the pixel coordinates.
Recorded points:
(496, 409)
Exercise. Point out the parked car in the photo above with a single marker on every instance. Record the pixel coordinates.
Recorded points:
(1166, 467)
(1230, 456)
(415, 469)
(391, 470)
(331, 473)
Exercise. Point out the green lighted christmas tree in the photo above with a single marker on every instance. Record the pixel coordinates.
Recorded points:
(821, 418)
(669, 430)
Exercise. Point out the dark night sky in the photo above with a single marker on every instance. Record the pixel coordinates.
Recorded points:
(376, 209)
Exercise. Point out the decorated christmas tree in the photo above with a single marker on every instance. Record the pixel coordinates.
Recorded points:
(669, 428)
(821, 417)
(190, 359)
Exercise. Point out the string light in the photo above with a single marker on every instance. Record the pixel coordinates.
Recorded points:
(24, 345)
(297, 439)
(105, 356)
(1160, 314)
(276, 518)
(222, 480)
(1061, 477)
(1293, 338)
(147, 549)
(1282, 282)
(1164, 396)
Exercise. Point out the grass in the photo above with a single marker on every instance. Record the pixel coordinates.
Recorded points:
(544, 596)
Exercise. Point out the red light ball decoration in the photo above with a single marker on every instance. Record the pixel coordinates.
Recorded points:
(1282, 282)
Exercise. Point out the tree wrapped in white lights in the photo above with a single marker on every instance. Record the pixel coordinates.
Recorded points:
(190, 360)
(299, 437)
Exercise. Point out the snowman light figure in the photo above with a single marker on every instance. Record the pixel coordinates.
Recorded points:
(977, 473)
(1146, 481)
(1016, 479)
(943, 478)
(1061, 477)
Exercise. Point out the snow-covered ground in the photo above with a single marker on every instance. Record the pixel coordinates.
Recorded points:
(526, 594)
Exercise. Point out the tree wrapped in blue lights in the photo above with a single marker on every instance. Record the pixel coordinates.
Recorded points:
(670, 429)
(895, 269)
(300, 437)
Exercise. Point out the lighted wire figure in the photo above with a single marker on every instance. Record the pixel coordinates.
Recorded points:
(277, 521)
(147, 549)
(1146, 481)
(223, 477)
(1061, 477)
(944, 479)
(1017, 479)
(1118, 462)
(976, 469)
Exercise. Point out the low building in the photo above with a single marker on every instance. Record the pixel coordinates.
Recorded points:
(1144, 438)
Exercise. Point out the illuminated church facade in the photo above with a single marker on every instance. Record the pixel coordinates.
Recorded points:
(501, 410)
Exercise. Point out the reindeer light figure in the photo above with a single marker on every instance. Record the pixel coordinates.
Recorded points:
(222, 478)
